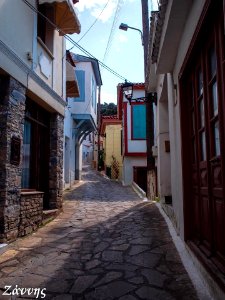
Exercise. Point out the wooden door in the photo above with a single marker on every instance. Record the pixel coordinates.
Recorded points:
(203, 102)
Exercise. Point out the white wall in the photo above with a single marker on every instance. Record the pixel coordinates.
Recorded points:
(85, 107)
(128, 164)
(174, 112)
(18, 36)
(15, 16)
(163, 159)
(134, 145)
(69, 153)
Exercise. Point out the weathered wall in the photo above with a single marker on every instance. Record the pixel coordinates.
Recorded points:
(113, 146)
(12, 108)
(128, 164)
(31, 212)
(56, 161)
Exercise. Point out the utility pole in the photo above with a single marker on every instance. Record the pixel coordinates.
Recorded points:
(149, 105)
(145, 30)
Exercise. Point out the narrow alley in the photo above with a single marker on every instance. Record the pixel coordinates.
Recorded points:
(107, 244)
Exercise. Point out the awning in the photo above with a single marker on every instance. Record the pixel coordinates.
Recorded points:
(72, 88)
(65, 15)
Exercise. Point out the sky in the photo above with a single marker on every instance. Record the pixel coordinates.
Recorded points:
(123, 52)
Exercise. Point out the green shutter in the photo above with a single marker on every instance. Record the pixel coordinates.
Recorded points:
(139, 121)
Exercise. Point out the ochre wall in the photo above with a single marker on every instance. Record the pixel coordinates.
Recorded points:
(113, 146)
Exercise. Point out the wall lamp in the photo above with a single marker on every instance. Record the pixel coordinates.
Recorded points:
(125, 27)
(127, 88)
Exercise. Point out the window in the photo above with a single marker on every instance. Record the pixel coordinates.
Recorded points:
(81, 83)
(45, 30)
(138, 122)
(35, 164)
(26, 155)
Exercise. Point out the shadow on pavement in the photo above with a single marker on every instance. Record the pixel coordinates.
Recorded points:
(121, 249)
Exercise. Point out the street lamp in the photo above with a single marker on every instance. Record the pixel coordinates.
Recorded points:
(127, 88)
(125, 27)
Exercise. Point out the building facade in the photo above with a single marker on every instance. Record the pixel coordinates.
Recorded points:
(186, 69)
(133, 117)
(81, 115)
(111, 133)
(32, 101)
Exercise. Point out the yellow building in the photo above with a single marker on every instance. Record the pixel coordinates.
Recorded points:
(111, 130)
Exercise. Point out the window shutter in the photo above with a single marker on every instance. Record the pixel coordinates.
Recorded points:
(81, 83)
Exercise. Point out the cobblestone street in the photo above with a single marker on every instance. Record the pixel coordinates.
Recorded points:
(107, 244)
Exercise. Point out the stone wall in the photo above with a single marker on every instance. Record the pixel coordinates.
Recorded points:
(12, 109)
(31, 212)
(20, 215)
(56, 161)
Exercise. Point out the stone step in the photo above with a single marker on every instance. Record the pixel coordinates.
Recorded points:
(3, 248)
(49, 215)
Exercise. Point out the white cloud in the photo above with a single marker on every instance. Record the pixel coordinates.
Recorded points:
(122, 38)
(96, 6)
(107, 13)
(107, 97)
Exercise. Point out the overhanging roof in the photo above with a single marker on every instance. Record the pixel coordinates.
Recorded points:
(72, 88)
(170, 29)
(65, 16)
(95, 65)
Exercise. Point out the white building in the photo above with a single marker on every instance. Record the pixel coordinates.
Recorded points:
(33, 97)
(81, 115)
(134, 136)
(186, 69)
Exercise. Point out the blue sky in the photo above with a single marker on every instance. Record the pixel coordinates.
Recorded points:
(125, 53)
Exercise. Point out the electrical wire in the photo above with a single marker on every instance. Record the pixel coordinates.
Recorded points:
(94, 22)
(67, 37)
(118, 7)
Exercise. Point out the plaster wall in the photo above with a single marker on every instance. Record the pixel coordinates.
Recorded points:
(113, 146)
(163, 159)
(14, 18)
(69, 149)
(134, 145)
(86, 107)
(19, 38)
(128, 164)
(174, 113)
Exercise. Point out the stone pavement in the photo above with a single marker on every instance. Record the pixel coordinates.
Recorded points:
(107, 244)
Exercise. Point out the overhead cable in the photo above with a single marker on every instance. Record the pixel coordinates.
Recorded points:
(94, 22)
(118, 7)
(67, 37)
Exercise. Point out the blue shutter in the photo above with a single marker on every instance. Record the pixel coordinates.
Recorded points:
(81, 83)
(139, 121)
